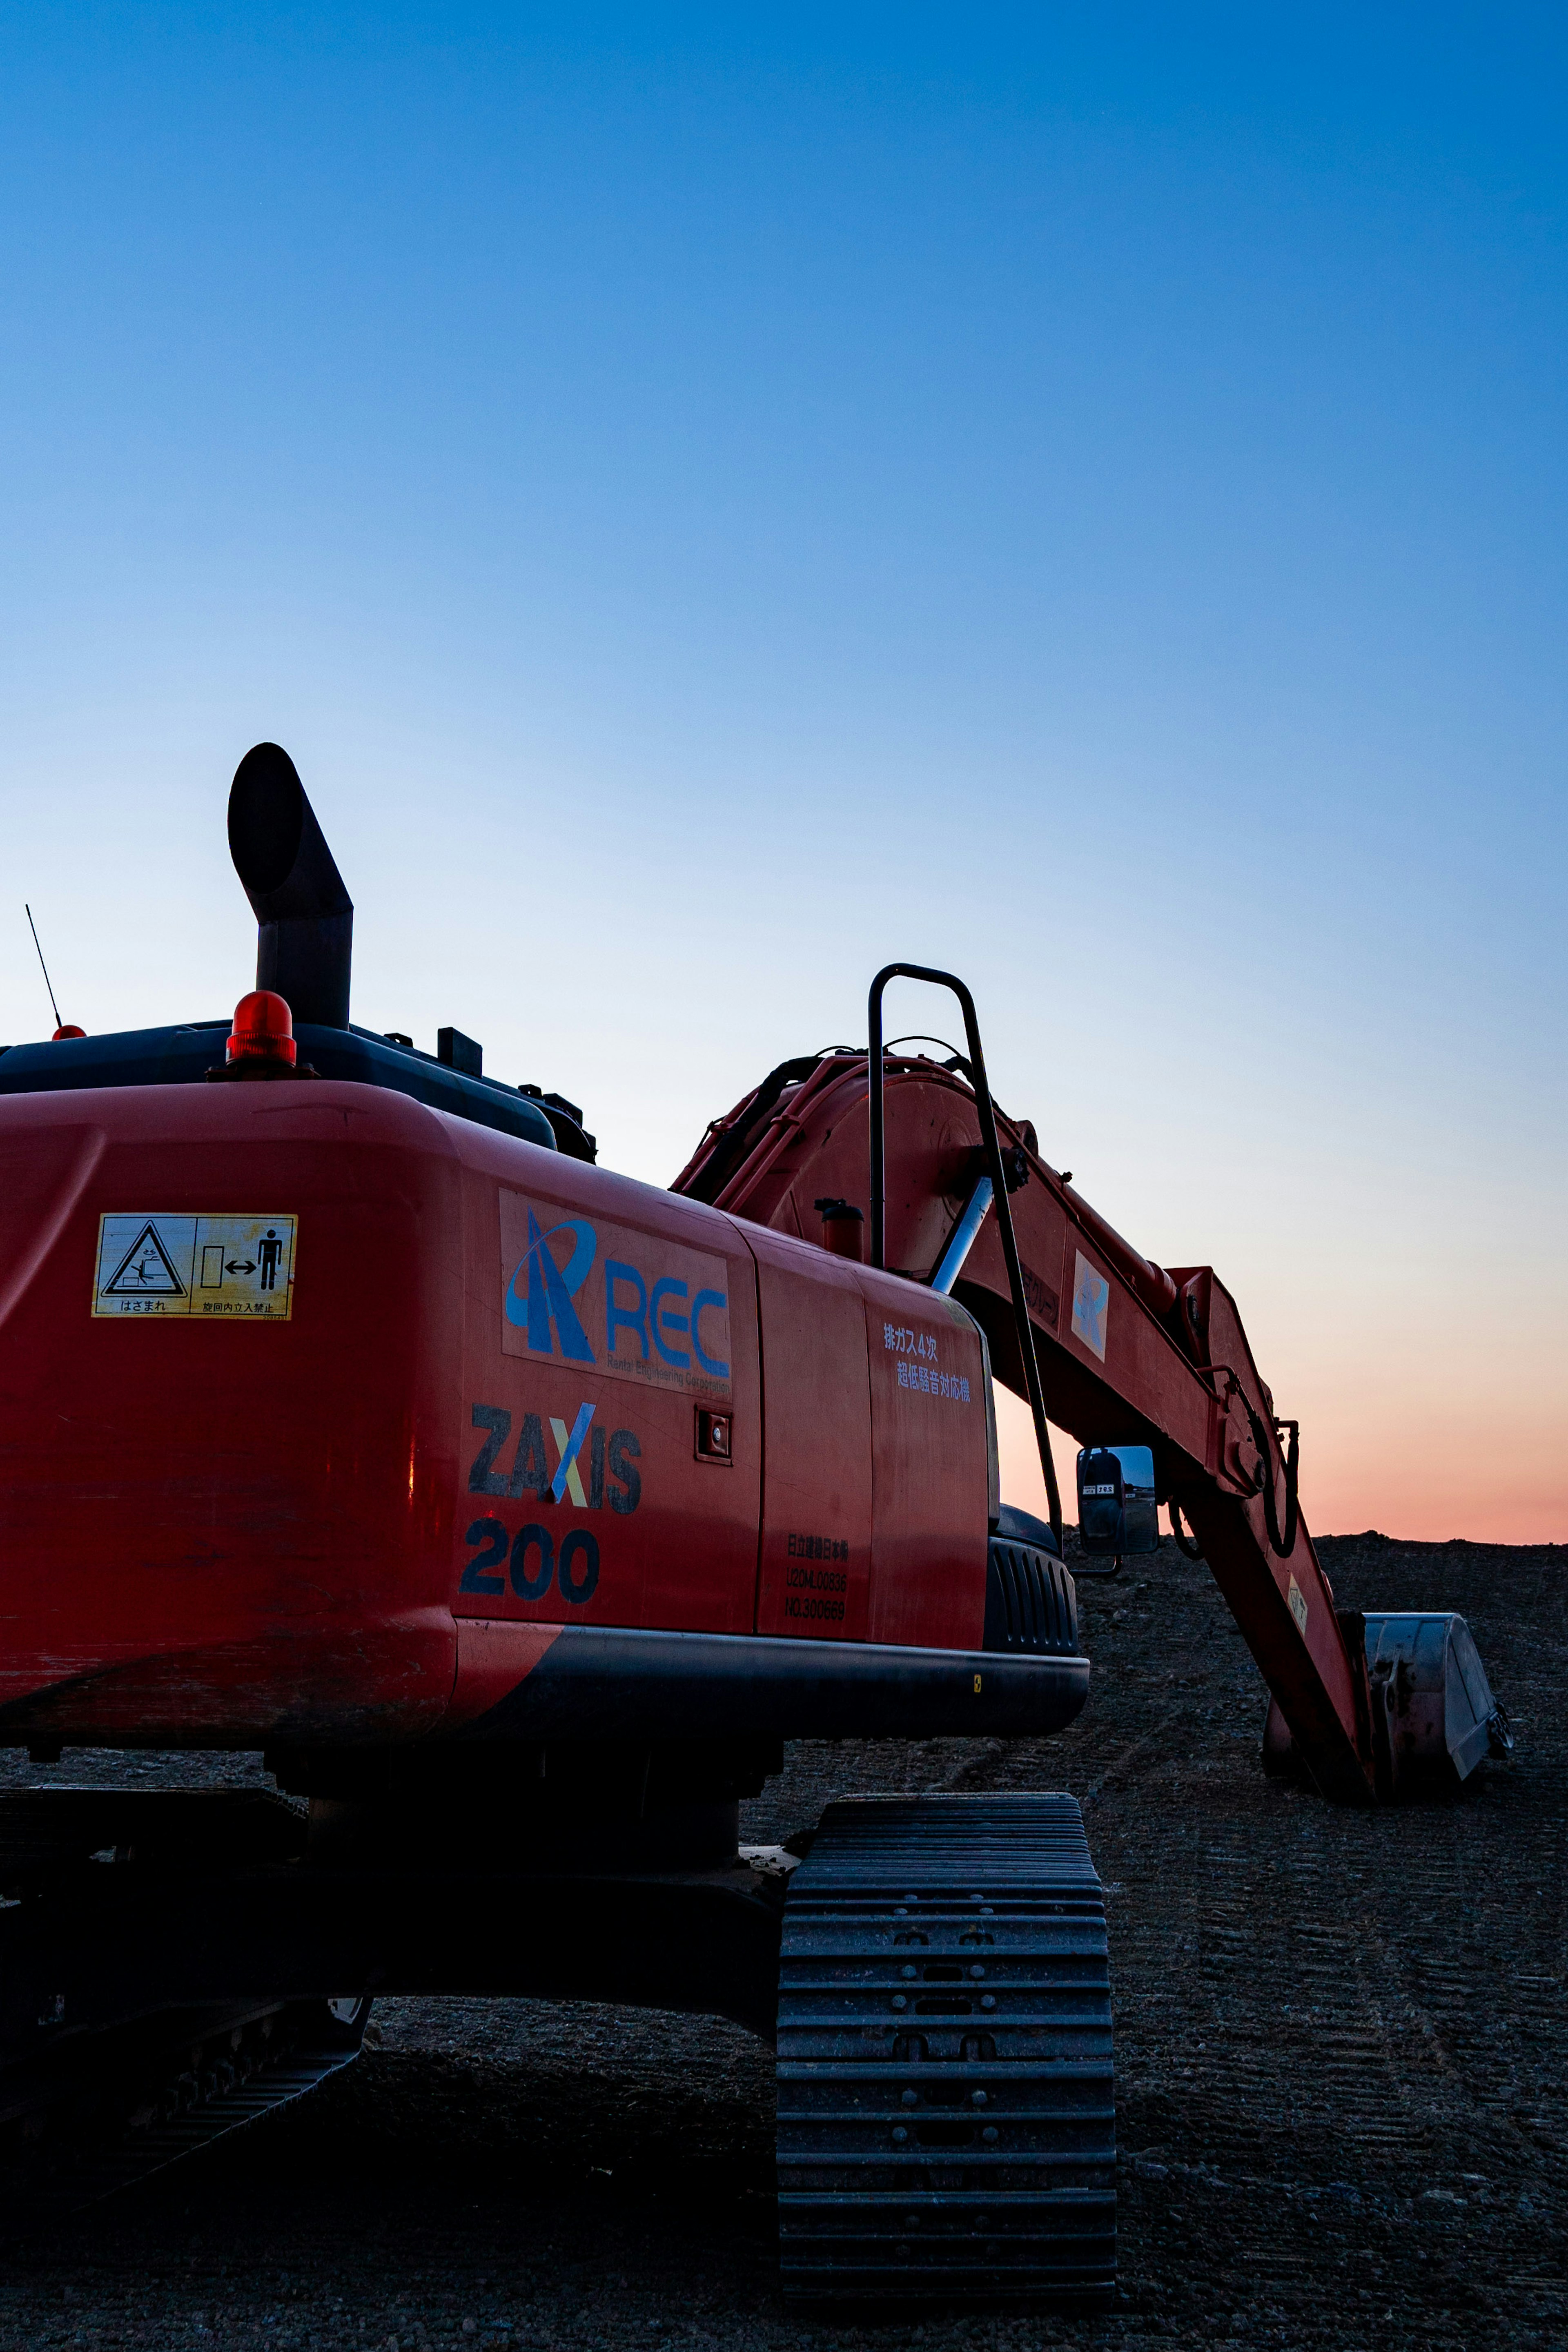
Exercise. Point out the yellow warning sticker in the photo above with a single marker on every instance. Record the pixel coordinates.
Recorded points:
(152, 1262)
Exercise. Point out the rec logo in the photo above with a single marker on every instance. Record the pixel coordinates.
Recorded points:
(608, 1298)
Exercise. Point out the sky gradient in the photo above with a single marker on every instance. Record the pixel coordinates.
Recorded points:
(712, 509)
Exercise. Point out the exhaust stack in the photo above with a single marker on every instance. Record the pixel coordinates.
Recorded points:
(304, 947)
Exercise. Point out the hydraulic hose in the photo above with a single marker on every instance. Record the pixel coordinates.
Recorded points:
(1283, 1542)
(1184, 1543)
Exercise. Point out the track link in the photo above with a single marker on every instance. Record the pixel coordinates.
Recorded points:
(109, 2118)
(946, 2124)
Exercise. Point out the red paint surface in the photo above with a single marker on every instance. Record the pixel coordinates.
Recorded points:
(818, 1493)
(222, 1532)
(929, 1458)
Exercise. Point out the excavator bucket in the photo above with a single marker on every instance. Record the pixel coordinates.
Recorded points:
(1434, 1717)
(1433, 1713)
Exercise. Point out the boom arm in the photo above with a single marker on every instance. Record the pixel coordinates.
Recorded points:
(1127, 1352)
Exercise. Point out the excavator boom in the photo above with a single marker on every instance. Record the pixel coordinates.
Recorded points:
(1127, 1352)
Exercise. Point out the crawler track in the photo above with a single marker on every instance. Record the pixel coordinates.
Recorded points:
(103, 2119)
(946, 2124)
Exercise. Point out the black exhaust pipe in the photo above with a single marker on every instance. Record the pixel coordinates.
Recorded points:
(304, 945)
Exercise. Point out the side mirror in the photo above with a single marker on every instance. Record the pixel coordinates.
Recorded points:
(1117, 1513)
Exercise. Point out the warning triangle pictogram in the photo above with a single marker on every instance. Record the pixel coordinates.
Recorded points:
(145, 1271)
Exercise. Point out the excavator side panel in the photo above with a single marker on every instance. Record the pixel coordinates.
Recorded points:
(815, 1572)
(929, 1465)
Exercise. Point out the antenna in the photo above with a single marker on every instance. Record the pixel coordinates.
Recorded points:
(42, 965)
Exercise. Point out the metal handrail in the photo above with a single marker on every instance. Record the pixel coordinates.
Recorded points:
(982, 1085)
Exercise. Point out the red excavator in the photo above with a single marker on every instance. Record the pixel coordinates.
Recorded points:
(517, 1513)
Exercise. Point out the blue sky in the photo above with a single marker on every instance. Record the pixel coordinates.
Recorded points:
(712, 504)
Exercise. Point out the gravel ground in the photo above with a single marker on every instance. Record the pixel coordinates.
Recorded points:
(1340, 2056)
